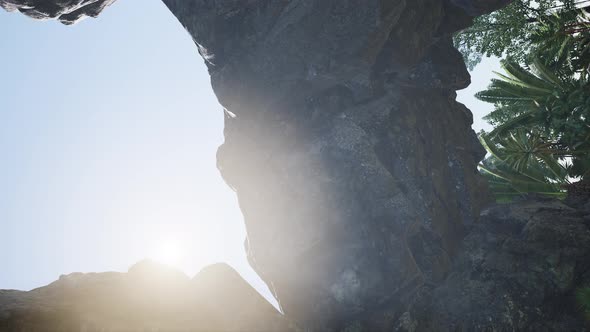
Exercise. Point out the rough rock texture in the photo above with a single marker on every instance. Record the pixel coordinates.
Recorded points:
(147, 298)
(67, 11)
(354, 165)
(518, 270)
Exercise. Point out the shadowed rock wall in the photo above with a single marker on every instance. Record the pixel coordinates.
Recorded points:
(518, 270)
(354, 165)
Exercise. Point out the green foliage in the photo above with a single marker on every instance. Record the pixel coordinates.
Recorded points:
(542, 119)
(513, 31)
(541, 137)
(583, 297)
(554, 102)
(523, 162)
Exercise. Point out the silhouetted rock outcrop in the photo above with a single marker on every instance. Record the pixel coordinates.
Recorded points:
(150, 297)
(67, 11)
(355, 167)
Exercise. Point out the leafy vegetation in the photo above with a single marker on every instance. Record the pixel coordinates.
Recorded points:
(542, 134)
(541, 139)
(583, 296)
(515, 30)
(522, 162)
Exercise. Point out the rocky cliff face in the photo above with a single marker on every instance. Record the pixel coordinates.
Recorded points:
(518, 270)
(150, 297)
(354, 165)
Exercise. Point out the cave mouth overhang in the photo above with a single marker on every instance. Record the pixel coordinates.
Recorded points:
(355, 188)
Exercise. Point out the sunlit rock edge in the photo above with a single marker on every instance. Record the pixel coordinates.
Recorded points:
(149, 297)
(356, 172)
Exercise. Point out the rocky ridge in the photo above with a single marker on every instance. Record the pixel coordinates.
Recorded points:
(517, 270)
(150, 297)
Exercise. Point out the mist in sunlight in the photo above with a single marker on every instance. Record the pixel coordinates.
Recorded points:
(108, 133)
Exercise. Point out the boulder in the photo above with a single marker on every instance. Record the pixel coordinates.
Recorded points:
(518, 270)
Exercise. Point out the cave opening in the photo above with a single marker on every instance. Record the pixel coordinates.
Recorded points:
(110, 131)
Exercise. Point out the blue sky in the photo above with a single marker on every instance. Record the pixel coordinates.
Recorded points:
(108, 134)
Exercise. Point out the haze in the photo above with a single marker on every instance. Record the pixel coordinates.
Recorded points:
(108, 134)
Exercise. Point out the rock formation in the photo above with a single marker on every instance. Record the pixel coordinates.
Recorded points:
(150, 297)
(67, 11)
(354, 166)
(518, 270)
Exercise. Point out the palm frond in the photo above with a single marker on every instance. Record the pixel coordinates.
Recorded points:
(525, 119)
(524, 77)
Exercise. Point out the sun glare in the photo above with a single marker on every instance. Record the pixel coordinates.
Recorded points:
(168, 253)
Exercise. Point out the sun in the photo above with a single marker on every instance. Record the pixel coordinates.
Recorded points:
(169, 252)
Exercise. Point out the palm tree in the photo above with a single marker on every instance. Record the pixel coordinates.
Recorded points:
(523, 162)
(529, 96)
(563, 40)
(549, 103)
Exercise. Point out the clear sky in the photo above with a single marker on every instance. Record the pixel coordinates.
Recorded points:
(480, 79)
(108, 134)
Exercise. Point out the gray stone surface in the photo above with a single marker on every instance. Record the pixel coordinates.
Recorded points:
(66, 11)
(355, 167)
(518, 270)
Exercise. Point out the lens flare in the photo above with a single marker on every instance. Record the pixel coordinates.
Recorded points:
(169, 253)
